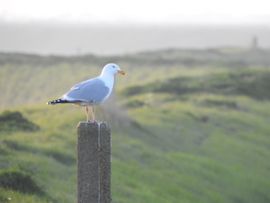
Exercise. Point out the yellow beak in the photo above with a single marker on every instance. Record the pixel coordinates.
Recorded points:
(121, 72)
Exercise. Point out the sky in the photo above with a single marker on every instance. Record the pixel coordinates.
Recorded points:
(137, 11)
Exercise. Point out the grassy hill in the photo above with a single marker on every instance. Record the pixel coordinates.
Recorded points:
(29, 78)
(184, 134)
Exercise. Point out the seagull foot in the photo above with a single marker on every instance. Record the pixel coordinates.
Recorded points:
(92, 121)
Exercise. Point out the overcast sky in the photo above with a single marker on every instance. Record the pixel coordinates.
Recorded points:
(137, 11)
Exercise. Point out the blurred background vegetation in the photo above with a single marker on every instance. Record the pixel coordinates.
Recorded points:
(187, 126)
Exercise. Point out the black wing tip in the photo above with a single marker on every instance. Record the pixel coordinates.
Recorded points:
(57, 101)
(63, 101)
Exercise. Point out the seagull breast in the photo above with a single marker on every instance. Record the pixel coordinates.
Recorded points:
(108, 80)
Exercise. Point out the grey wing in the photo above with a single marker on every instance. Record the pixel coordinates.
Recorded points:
(90, 91)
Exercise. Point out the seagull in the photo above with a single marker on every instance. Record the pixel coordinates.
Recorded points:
(91, 92)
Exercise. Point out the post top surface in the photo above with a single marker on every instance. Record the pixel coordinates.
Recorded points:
(91, 124)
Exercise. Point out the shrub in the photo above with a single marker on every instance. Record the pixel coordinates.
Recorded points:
(13, 121)
(135, 104)
(19, 181)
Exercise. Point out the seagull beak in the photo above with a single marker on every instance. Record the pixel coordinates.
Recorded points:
(121, 72)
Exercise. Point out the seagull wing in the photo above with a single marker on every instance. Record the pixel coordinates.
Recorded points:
(91, 91)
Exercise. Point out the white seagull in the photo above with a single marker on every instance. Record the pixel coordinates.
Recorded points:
(91, 92)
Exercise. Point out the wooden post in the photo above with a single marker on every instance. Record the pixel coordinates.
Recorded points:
(105, 163)
(94, 163)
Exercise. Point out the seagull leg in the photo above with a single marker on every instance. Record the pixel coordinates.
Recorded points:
(87, 113)
(93, 114)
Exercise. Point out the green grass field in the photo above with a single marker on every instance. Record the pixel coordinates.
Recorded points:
(185, 134)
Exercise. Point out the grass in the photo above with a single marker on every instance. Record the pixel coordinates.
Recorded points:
(253, 83)
(208, 145)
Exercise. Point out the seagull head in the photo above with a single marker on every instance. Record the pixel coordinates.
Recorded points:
(112, 68)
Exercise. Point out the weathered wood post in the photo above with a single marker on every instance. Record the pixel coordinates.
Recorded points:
(94, 163)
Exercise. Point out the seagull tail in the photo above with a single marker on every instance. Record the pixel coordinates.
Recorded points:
(57, 101)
